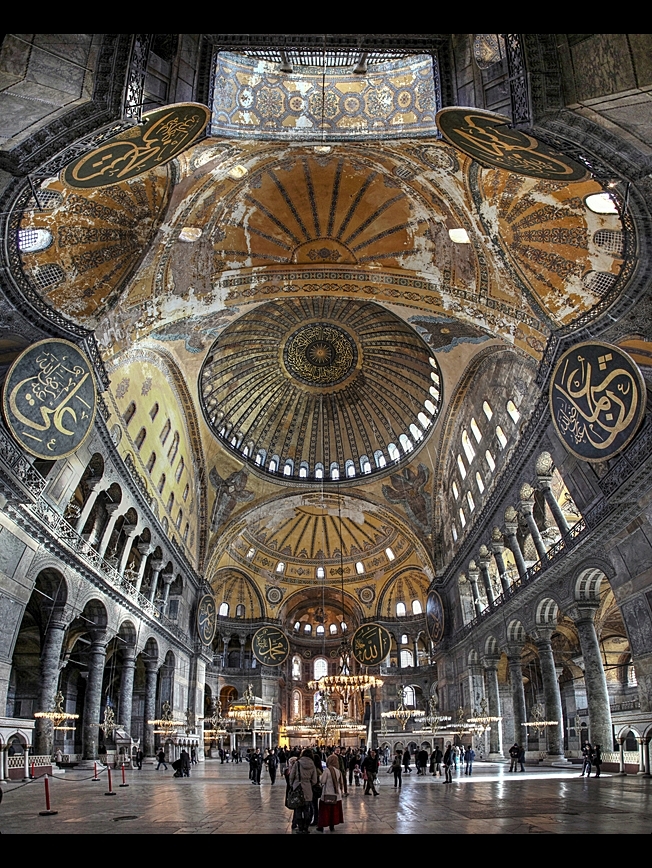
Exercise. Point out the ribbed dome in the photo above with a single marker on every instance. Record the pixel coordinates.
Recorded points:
(320, 388)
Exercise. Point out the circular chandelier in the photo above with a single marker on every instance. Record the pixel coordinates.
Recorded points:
(482, 720)
(538, 724)
(402, 714)
(57, 715)
(344, 683)
(433, 719)
(166, 724)
(247, 713)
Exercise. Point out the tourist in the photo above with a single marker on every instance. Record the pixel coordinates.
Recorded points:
(406, 760)
(469, 756)
(160, 756)
(303, 774)
(397, 771)
(330, 803)
(587, 753)
(514, 752)
(448, 763)
(597, 760)
(370, 768)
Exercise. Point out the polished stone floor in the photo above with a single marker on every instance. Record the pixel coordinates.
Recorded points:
(220, 799)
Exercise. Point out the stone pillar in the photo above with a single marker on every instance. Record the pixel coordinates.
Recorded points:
(551, 693)
(95, 489)
(490, 663)
(474, 574)
(145, 550)
(93, 698)
(127, 686)
(641, 755)
(518, 693)
(151, 671)
(48, 681)
(497, 547)
(511, 528)
(168, 578)
(544, 469)
(526, 506)
(646, 756)
(597, 694)
(621, 756)
(4, 762)
(130, 533)
(157, 566)
(113, 512)
(26, 776)
(483, 560)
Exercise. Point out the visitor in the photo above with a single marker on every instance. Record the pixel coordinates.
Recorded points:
(587, 754)
(370, 769)
(448, 763)
(160, 756)
(397, 771)
(469, 756)
(514, 752)
(303, 774)
(330, 802)
(597, 760)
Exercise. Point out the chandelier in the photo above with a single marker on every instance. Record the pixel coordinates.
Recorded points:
(433, 719)
(462, 726)
(402, 714)
(482, 720)
(58, 716)
(538, 724)
(344, 683)
(246, 713)
(216, 722)
(166, 724)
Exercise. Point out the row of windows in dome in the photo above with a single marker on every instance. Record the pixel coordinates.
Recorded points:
(470, 453)
(320, 572)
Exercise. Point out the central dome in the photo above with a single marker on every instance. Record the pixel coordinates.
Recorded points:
(320, 389)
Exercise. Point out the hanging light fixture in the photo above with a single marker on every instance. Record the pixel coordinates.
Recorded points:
(402, 714)
(57, 715)
(482, 720)
(166, 724)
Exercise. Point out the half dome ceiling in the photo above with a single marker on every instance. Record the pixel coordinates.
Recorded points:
(320, 389)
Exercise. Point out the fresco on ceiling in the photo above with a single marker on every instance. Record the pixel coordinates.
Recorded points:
(570, 257)
(445, 333)
(408, 489)
(229, 493)
(403, 587)
(197, 332)
(252, 99)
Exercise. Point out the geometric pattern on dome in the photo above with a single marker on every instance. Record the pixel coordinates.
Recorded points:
(320, 388)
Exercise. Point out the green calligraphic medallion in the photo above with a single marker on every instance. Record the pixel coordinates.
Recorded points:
(49, 399)
(270, 646)
(206, 619)
(597, 400)
(371, 644)
(164, 134)
(487, 138)
(435, 617)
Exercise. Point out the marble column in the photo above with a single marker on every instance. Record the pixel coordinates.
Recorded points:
(26, 776)
(151, 671)
(511, 529)
(490, 663)
(130, 533)
(168, 578)
(552, 696)
(4, 762)
(48, 680)
(646, 756)
(474, 574)
(621, 756)
(597, 695)
(518, 693)
(127, 686)
(484, 559)
(526, 506)
(113, 510)
(544, 469)
(95, 488)
(145, 550)
(497, 547)
(157, 566)
(92, 700)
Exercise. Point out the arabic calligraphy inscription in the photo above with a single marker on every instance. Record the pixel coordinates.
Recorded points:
(270, 646)
(371, 644)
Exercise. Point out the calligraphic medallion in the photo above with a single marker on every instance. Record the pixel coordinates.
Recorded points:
(435, 617)
(597, 400)
(371, 644)
(164, 134)
(270, 646)
(206, 618)
(488, 138)
(320, 354)
(49, 399)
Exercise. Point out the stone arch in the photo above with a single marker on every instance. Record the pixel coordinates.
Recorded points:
(234, 586)
(588, 583)
(515, 631)
(472, 658)
(491, 646)
(403, 586)
(547, 612)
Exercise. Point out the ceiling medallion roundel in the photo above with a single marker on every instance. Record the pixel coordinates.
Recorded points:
(321, 388)
(320, 354)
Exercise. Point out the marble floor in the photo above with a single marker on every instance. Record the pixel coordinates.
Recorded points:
(220, 799)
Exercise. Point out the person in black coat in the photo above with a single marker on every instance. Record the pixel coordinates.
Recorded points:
(370, 766)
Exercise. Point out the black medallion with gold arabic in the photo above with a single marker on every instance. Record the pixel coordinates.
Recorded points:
(435, 617)
(597, 400)
(49, 399)
(371, 644)
(270, 646)
(164, 134)
(487, 138)
(206, 618)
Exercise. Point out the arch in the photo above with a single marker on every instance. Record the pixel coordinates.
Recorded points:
(547, 612)
(472, 658)
(234, 587)
(491, 646)
(515, 631)
(587, 584)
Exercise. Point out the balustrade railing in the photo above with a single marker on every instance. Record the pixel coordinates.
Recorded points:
(20, 467)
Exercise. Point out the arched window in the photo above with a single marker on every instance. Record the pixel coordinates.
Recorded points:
(479, 482)
(410, 697)
(434, 392)
(319, 470)
(45, 276)
(174, 448)
(333, 629)
(224, 610)
(185, 532)
(456, 491)
(179, 518)
(359, 568)
(251, 553)
(425, 421)
(349, 468)
(487, 410)
(416, 432)
(430, 407)
(129, 413)
(404, 639)
(153, 413)
(180, 468)
(390, 554)
(513, 412)
(161, 483)
(476, 431)
(240, 610)
(307, 628)
(151, 462)
(416, 608)
(33, 240)
(379, 458)
(601, 203)
(296, 704)
(261, 455)
(501, 437)
(461, 467)
(280, 567)
(462, 517)
(470, 501)
(320, 630)
(469, 451)
(186, 491)
(296, 663)
(392, 451)
(320, 669)
(490, 460)
(320, 573)
(273, 464)
(288, 467)
(400, 610)
(335, 470)
(406, 443)
(407, 660)
(365, 465)
(166, 431)
(454, 529)
(303, 470)
(297, 626)
(140, 439)
(170, 502)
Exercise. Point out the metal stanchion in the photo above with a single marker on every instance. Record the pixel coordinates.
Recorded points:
(47, 812)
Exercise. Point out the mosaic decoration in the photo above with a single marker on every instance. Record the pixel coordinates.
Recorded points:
(408, 488)
(435, 617)
(320, 354)
(487, 138)
(597, 400)
(371, 644)
(253, 99)
(206, 619)
(164, 134)
(229, 493)
(49, 399)
(270, 646)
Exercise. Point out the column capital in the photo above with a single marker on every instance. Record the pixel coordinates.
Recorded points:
(542, 634)
(484, 557)
(168, 578)
(145, 548)
(94, 482)
(473, 570)
(490, 661)
(112, 508)
(157, 565)
(511, 521)
(129, 530)
(514, 651)
(585, 610)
